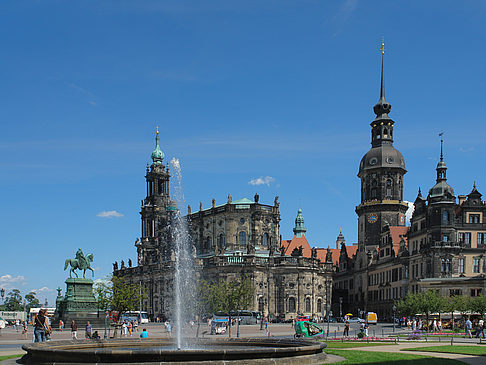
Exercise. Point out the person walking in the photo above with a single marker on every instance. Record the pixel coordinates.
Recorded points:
(41, 326)
(346, 329)
(74, 330)
(468, 328)
(24, 330)
(88, 331)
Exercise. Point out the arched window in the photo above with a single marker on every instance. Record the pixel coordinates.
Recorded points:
(221, 241)
(260, 304)
(307, 304)
(242, 238)
(373, 188)
(265, 239)
(445, 217)
(385, 132)
(319, 305)
(207, 243)
(292, 304)
(389, 188)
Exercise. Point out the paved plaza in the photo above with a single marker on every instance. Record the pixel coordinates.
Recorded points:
(11, 341)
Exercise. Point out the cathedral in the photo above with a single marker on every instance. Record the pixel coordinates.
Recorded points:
(442, 249)
(231, 240)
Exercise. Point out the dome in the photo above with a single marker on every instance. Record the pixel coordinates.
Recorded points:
(381, 157)
(157, 154)
(441, 189)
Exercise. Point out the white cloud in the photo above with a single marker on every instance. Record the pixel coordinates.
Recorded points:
(267, 180)
(44, 289)
(109, 214)
(409, 212)
(10, 282)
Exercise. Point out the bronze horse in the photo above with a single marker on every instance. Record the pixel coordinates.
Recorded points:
(80, 265)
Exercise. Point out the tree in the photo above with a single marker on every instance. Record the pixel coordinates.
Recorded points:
(124, 296)
(32, 301)
(228, 296)
(13, 301)
(478, 305)
(103, 293)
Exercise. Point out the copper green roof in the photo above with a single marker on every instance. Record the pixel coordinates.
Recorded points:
(157, 154)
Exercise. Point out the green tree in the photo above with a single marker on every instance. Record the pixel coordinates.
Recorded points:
(478, 305)
(103, 293)
(13, 301)
(124, 296)
(228, 296)
(32, 301)
(409, 306)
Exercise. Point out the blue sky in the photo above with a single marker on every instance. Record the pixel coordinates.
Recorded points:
(241, 90)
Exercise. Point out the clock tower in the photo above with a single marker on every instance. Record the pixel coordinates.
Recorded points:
(381, 172)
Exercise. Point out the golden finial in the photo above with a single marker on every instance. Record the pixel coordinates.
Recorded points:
(157, 130)
(382, 48)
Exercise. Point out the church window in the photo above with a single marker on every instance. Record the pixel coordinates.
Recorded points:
(319, 305)
(221, 241)
(307, 304)
(242, 238)
(389, 189)
(265, 239)
(292, 304)
(476, 265)
(461, 266)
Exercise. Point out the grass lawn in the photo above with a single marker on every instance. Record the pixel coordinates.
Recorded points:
(340, 345)
(459, 349)
(366, 357)
(10, 357)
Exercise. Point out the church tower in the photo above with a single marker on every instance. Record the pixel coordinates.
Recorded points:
(299, 229)
(155, 212)
(381, 172)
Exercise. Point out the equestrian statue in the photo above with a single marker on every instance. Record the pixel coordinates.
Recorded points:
(81, 262)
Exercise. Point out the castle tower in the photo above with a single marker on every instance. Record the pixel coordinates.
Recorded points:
(381, 172)
(155, 211)
(340, 239)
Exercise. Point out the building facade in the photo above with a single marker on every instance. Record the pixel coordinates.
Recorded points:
(239, 238)
(444, 248)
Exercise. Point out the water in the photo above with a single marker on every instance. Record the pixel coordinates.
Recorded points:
(184, 283)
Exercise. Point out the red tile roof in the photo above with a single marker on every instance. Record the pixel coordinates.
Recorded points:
(396, 232)
(296, 242)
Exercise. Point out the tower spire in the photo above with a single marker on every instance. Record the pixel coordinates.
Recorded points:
(441, 143)
(157, 154)
(299, 229)
(382, 108)
(441, 165)
(382, 90)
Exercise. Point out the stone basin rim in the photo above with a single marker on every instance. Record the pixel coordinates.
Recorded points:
(142, 349)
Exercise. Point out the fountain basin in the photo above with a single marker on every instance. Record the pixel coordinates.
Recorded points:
(163, 351)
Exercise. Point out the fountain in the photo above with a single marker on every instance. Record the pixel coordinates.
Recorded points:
(182, 350)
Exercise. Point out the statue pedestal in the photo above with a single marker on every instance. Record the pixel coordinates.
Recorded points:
(79, 304)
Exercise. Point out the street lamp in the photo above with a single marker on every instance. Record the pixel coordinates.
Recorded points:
(2, 293)
(327, 306)
(341, 307)
(394, 309)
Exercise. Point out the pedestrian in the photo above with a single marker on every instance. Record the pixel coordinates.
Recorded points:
(346, 329)
(144, 333)
(24, 329)
(169, 329)
(61, 325)
(135, 326)
(468, 328)
(130, 327)
(88, 331)
(41, 326)
(414, 324)
(266, 327)
(439, 325)
(366, 330)
(74, 330)
(124, 329)
(95, 336)
(434, 326)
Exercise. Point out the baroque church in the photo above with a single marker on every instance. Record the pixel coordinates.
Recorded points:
(231, 240)
(443, 248)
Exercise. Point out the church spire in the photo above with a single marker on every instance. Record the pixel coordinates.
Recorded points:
(441, 165)
(382, 108)
(299, 229)
(157, 154)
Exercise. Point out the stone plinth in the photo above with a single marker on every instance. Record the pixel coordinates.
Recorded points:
(78, 304)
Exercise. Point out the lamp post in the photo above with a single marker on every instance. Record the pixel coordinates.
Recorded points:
(263, 303)
(106, 324)
(394, 309)
(341, 307)
(2, 293)
(327, 306)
